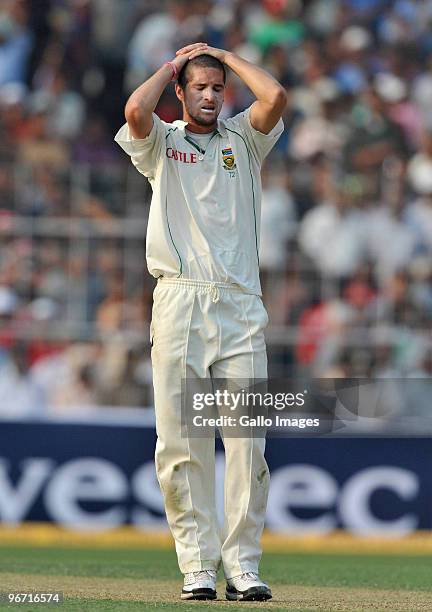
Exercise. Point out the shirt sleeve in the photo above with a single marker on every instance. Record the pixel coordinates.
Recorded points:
(144, 152)
(259, 144)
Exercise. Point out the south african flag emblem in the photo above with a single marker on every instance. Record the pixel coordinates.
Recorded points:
(228, 158)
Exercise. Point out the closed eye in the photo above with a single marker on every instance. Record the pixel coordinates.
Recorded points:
(215, 88)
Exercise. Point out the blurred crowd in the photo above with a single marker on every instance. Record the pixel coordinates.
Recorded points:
(346, 245)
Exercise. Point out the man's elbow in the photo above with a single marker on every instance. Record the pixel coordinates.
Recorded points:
(139, 121)
(279, 99)
(133, 113)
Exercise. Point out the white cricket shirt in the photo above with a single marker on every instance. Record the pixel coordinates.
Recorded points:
(204, 221)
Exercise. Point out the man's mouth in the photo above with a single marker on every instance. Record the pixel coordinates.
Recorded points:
(208, 109)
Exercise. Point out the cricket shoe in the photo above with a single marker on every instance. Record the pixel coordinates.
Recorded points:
(199, 585)
(247, 587)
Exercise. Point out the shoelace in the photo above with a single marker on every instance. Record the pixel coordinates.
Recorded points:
(202, 574)
(250, 575)
(246, 577)
(205, 574)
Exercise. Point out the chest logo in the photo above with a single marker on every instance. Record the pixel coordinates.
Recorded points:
(228, 159)
(185, 158)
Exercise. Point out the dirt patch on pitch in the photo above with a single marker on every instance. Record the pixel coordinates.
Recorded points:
(329, 599)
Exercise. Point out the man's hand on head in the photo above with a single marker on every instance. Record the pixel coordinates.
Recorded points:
(197, 49)
(184, 55)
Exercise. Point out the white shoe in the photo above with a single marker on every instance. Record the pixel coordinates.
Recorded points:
(199, 585)
(247, 587)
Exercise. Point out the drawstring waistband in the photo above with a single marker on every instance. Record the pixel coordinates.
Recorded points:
(214, 292)
(213, 288)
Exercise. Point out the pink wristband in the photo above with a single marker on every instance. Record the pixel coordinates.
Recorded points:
(174, 70)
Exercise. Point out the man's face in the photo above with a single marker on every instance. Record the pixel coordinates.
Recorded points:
(203, 96)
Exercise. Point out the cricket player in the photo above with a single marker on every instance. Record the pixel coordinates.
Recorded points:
(208, 318)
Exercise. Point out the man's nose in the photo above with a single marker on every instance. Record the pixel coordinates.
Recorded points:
(209, 95)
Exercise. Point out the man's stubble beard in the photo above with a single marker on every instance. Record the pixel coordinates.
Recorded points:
(201, 120)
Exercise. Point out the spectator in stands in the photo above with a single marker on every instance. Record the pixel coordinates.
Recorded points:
(15, 42)
(158, 36)
(333, 235)
(419, 213)
(278, 222)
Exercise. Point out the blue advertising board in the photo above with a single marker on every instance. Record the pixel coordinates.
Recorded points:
(97, 477)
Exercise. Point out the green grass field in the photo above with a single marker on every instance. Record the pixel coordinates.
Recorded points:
(118, 579)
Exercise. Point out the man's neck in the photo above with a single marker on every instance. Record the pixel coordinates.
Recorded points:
(198, 135)
(200, 129)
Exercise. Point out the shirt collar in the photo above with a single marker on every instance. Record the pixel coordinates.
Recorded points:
(220, 129)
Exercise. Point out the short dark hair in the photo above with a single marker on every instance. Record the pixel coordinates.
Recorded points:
(204, 61)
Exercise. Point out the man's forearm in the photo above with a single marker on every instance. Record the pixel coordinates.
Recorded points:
(143, 101)
(265, 88)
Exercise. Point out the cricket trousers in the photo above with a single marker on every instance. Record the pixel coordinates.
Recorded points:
(208, 330)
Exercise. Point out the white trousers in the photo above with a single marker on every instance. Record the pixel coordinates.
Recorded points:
(208, 330)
